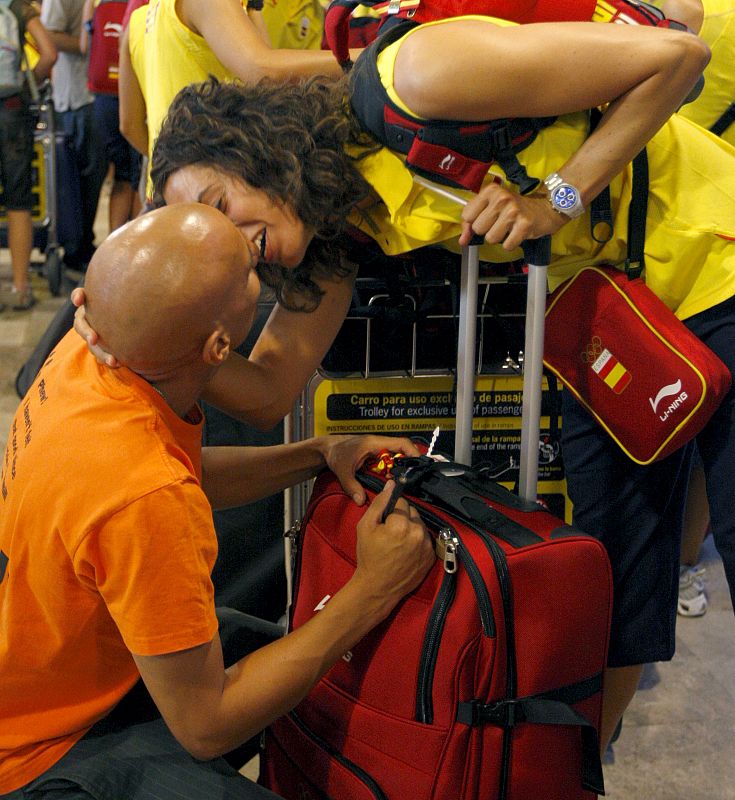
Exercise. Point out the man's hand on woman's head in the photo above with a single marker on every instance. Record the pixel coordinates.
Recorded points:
(83, 328)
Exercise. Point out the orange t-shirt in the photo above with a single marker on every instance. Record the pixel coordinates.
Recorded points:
(106, 548)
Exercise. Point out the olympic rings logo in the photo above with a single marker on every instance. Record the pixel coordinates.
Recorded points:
(593, 351)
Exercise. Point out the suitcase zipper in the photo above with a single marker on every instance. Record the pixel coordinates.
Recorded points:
(449, 538)
(430, 647)
(478, 584)
(350, 766)
(434, 628)
(501, 567)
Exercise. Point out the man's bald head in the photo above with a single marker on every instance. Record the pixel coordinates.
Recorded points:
(159, 286)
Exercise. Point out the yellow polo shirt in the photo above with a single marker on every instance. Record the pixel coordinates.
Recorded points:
(690, 233)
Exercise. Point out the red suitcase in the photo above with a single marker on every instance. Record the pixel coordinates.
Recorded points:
(484, 683)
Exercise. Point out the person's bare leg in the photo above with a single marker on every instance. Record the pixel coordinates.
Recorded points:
(122, 197)
(20, 244)
(136, 205)
(619, 687)
(696, 518)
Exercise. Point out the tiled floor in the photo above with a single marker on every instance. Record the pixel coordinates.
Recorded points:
(678, 738)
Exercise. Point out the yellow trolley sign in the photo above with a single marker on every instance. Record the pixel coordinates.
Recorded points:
(414, 406)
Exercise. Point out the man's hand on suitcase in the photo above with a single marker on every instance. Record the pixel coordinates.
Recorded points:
(394, 556)
(346, 454)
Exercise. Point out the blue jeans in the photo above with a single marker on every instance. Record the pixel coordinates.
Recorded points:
(87, 151)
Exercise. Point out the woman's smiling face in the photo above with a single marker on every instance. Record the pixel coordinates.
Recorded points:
(280, 236)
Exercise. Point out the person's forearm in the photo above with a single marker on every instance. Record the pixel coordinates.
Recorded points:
(262, 389)
(135, 132)
(132, 108)
(211, 710)
(215, 711)
(256, 17)
(65, 42)
(234, 476)
(631, 120)
(271, 681)
(284, 65)
(87, 14)
(239, 45)
(643, 73)
(47, 52)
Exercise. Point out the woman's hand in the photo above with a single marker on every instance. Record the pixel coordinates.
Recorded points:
(82, 327)
(507, 218)
(345, 455)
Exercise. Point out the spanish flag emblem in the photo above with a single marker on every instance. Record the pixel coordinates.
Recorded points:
(615, 375)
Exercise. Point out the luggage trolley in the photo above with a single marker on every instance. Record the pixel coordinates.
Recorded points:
(45, 206)
(490, 383)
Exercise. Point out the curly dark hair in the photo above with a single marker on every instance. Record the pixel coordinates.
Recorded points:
(287, 140)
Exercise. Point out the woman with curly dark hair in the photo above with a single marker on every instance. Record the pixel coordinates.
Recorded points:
(292, 165)
(287, 142)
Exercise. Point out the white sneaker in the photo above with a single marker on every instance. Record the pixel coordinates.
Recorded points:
(692, 598)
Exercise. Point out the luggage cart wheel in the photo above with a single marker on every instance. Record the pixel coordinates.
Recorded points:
(53, 268)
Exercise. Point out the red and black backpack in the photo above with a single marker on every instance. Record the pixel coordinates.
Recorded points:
(105, 29)
(342, 30)
(454, 153)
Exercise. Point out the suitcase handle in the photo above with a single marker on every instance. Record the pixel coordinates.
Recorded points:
(537, 252)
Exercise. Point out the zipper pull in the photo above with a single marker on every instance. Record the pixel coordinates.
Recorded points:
(292, 534)
(446, 547)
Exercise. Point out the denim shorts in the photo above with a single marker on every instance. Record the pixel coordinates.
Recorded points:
(118, 151)
(16, 154)
(637, 510)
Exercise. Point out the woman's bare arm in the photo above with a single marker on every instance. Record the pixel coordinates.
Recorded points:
(690, 12)
(239, 44)
(132, 103)
(544, 70)
(47, 52)
(262, 389)
(87, 14)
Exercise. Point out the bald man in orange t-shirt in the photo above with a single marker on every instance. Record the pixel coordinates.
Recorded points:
(107, 541)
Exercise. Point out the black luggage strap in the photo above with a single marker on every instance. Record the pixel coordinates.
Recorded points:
(425, 478)
(466, 504)
(724, 122)
(452, 153)
(547, 708)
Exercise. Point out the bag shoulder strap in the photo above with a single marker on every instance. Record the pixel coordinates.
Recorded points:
(724, 122)
(635, 263)
(449, 152)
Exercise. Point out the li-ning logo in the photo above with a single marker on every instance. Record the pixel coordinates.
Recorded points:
(447, 162)
(320, 605)
(113, 30)
(672, 390)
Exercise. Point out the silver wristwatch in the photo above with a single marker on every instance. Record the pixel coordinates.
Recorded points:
(563, 197)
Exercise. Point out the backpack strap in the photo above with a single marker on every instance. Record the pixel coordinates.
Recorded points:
(724, 122)
(452, 153)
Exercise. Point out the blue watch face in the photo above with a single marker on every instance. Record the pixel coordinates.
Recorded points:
(564, 197)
